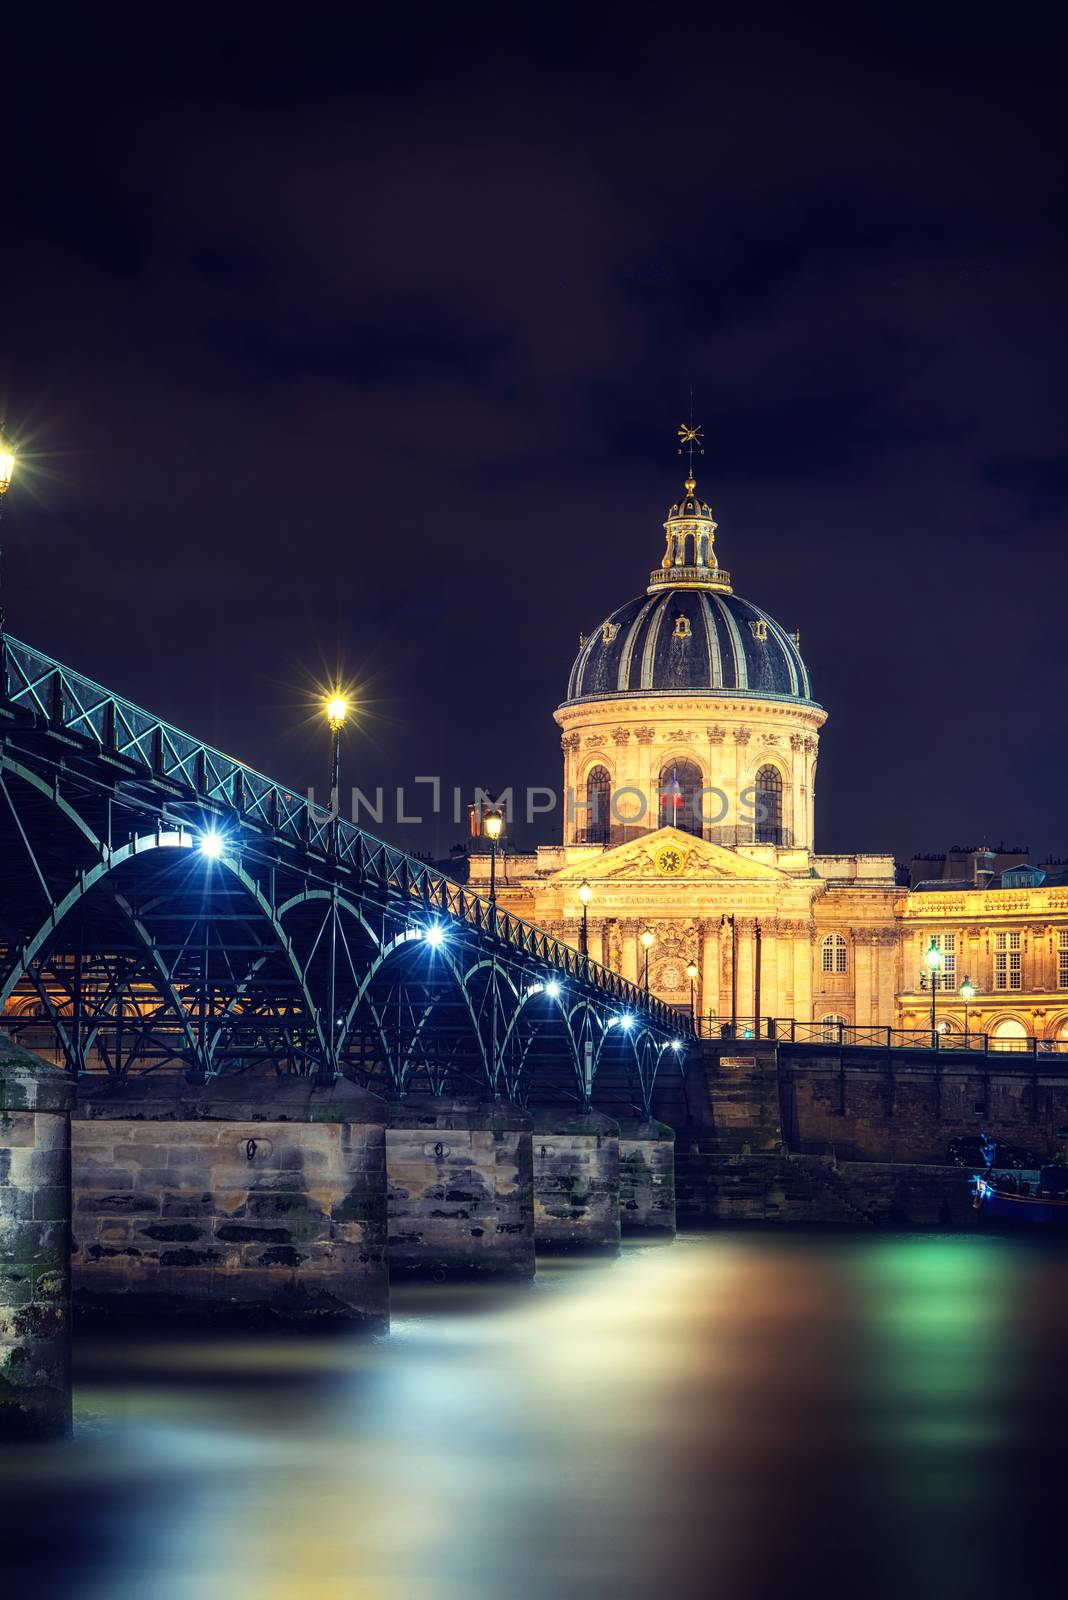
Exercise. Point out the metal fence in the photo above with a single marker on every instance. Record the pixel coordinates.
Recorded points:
(792, 1030)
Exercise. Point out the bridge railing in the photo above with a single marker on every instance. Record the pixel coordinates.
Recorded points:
(43, 693)
(794, 1030)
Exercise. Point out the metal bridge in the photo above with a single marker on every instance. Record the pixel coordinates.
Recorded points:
(164, 905)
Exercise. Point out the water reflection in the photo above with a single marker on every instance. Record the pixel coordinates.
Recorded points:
(741, 1414)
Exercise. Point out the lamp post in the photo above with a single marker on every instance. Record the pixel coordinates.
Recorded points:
(691, 973)
(648, 938)
(933, 957)
(337, 709)
(7, 472)
(585, 894)
(492, 827)
(727, 920)
(967, 994)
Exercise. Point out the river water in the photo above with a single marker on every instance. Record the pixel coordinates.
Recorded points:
(739, 1414)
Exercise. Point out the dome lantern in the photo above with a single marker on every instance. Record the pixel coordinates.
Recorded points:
(690, 559)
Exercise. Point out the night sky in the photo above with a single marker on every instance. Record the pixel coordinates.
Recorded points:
(369, 348)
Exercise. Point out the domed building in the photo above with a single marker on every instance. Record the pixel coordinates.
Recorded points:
(690, 733)
(691, 706)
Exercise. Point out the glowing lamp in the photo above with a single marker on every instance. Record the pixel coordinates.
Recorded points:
(435, 936)
(337, 709)
(626, 1021)
(933, 956)
(676, 1045)
(7, 466)
(648, 939)
(967, 990)
(493, 825)
(691, 971)
(212, 844)
(552, 988)
(585, 893)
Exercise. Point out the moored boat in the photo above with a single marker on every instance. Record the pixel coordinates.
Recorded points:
(1028, 1199)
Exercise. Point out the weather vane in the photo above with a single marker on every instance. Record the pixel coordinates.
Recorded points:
(691, 438)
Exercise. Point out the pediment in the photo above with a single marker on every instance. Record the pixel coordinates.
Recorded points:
(669, 855)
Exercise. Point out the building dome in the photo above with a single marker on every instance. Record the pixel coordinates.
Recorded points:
(689, 633)
(689, 641)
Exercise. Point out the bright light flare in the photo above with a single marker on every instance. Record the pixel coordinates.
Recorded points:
(212, 844)
(337, 709)
(7, 466)
(435, 936)
(626, 1021)
(552, 989)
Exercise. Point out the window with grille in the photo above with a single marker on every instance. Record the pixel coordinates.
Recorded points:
(1062, 958)
(834, 953)
(946, 976)
(1008, 968)
(599, 806)
(768, 806)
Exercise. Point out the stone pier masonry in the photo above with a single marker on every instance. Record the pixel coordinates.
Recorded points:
(460, 1188)
(576, 1180)
(646, 1178)
(35, 1391)
(257, 1199)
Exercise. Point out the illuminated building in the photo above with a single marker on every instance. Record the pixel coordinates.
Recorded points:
(690, 737)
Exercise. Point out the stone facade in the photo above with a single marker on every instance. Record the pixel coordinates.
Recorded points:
(256, 1199)
(35, 1201)
(460, 1188)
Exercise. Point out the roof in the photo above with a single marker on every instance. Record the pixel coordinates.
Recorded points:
(689, 640)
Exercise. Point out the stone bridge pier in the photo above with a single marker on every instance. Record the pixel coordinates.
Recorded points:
(460, 1188)
(35, 1389)
(258, 1200)
(576, 1180)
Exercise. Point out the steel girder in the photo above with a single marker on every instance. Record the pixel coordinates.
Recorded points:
(308, 944)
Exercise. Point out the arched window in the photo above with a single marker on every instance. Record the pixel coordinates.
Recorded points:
(599, 805)
(768, 806)
(834, 953)
(680, 786)
(831, 1027)
(1009, 1034)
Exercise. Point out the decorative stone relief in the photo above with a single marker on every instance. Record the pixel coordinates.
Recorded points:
(570, 741)
(621, 735)
(680, 736)
(796, 742)
(609, 631)
(594, 741)
(645, 735)
(770, 738)
(715, 735)
(742, 735)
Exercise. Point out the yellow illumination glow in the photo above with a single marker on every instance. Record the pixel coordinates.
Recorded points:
(648, 938)
(7, 467)
(691, 971)
(585, 893)
(337, 709)
(493, 824)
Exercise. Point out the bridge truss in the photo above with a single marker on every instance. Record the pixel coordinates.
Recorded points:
(163, 905)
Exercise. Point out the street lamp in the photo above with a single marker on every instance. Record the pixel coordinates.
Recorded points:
(492, 827)
(727, 920)
(337, 709)
(691, 973)
(7, 472)
(648, 940)
(585, 894)
(967, 994)
(934, 958)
